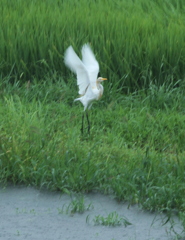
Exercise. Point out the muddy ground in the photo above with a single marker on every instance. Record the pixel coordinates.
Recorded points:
(29, 213)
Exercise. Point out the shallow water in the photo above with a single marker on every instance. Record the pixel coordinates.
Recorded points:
(28, 213)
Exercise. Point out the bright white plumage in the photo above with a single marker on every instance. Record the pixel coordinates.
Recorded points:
(86, 70)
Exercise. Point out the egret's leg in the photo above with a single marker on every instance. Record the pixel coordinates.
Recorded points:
(88, 123)
(82, 127)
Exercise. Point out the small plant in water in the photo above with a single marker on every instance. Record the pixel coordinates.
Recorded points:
(113, 219)
(77, 205)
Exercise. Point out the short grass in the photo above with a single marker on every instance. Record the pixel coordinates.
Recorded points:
(112, 219)
(77, 205)
(135, 150)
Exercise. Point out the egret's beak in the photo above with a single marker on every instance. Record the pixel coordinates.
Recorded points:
(104, 79)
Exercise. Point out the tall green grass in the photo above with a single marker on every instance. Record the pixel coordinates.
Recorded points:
(137, 42)
(131, 136)
(135, 150)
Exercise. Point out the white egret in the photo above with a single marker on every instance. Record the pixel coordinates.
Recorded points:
(87, 71)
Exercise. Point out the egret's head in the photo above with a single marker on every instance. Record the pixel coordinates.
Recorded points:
(100, 79)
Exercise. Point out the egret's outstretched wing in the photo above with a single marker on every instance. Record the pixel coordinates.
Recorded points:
(90, 63)
(76, 65)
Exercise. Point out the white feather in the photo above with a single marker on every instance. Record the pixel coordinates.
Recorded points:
(86, 70)
(90, 63)
(75, 64)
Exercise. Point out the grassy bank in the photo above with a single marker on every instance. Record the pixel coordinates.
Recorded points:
(138, 41)
(135, 150)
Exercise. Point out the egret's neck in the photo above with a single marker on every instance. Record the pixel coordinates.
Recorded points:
(98, 85)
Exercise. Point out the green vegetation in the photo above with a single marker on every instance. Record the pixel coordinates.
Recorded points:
(77, 205)
(136, 147)
(137, 41)
(113, 219)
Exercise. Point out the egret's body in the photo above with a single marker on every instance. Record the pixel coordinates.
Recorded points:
(91, 94)
(86, 70)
